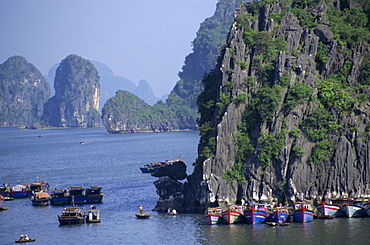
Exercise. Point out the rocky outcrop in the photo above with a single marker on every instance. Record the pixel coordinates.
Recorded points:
(127, 113)
(23, 92)
(77, 95)
(180, 112)
(169, 188)
(285, 113)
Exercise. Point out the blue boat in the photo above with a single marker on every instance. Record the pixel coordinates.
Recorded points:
(256, 213)
(19, 191)
(59, 197)
(302, 212)
(279, 214)
(5, 190)
(76, 194)
(93, 194)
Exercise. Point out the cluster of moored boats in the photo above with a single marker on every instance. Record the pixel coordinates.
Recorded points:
(262, 212)
(75, 215)
(40, 194)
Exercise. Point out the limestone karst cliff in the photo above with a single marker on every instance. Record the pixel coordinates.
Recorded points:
(127, 113)
(285, 114)
(23, 92)
(77, 95)
(180, 110)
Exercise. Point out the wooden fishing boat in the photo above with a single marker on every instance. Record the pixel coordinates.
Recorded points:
(353, 210)
(5, 190)
(279, 214)
(37, 187)
(77, 194)
(22, 241)
(256, 213)
(272, 223)
(234, 214)
(302, 212)
(94, 195)
(142, 216)
(40, 198)
(59, 197)
(71, 215)
(213, 216)
(19, 191)
(93, 215)
(330, 209)
(24, 238)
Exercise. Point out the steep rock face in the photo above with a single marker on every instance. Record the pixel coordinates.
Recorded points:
(211, 36)
(77, 95)
(23, 92)
(127, 113)
(289, 115)
(180, 110)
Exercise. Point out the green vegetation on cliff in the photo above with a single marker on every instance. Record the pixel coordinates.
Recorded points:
(333, 89)
(23, 92)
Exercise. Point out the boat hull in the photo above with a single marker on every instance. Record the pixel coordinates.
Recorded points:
(77, 199)
(302, 215)
(278, 216)
(233, 217)
(59, 200)
(5, 194)
(254, 216)
(353, 211)
(213, 219)
(330, 210)
(18, 194)
(71, 220)
(94, 198)
(40, 202)
(142, 216)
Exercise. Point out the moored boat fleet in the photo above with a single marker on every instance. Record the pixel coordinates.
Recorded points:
(40, 194)
(271, 214)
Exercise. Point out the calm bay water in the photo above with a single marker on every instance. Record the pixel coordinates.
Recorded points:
(113, 161)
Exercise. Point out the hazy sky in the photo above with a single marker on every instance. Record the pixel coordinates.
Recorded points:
(137, 39)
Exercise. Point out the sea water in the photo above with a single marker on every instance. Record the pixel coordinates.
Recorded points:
(113, 162)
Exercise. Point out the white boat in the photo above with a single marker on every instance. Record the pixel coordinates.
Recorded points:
(234, 214)
(354, 211)
(330, 210)
(93, 215)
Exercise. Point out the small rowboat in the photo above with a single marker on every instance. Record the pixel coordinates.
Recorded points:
(142, 216)
(284, 223)
(24, 240)
(272, 223)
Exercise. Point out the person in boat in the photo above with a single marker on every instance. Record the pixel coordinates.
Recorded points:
(93, 207)
(26, 238)
(141, 209)
(174, 212)
(21, 238)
